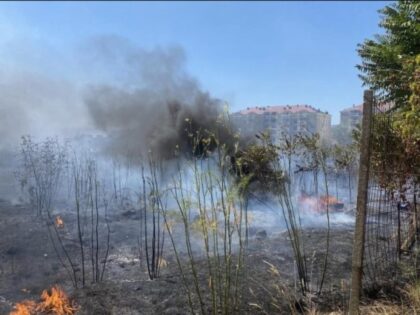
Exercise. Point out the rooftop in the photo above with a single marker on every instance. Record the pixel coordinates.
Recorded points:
(280, 109)
(357, 108)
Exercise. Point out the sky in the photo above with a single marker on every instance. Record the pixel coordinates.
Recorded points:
(246, 53)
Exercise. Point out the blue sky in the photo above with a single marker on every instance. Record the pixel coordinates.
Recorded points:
(248, 53)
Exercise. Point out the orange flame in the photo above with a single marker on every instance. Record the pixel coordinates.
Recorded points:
(25, 307)
(59, 223)
(330, 200)
(320, 204)
(56, 303)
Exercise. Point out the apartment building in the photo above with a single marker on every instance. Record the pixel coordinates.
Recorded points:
(351, 117)
(289, 119)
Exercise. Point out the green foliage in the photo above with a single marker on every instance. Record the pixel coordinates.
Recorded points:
(256, 168)
(313, 153)
(390, 163)
(407, 120)
(387, 60)
(311, 149)
(289, 145)
(391, 66)
(345, 157)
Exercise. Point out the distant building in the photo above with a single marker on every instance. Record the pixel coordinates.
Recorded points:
(289, 119)
(351, 117)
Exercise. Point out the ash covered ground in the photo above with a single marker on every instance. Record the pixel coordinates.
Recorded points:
(29, 264)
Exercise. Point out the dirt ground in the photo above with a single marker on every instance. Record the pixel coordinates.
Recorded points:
(28, 265)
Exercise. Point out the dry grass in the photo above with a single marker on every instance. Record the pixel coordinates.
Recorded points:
(377, 308)
(381, 307)
(411, 306)
(413, 294)
(408, 305)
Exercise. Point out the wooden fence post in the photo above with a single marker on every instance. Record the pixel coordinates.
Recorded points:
(362, 198)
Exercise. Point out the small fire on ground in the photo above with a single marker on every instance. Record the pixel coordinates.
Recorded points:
(59, 223)
(54, 302)
(321, 204)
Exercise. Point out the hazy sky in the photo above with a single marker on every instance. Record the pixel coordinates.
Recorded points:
(248, 53)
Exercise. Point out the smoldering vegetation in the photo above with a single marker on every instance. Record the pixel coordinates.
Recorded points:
(109, 220)
(164, 189)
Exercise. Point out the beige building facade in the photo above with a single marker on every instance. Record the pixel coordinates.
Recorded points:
(278, 120)
(351, 117)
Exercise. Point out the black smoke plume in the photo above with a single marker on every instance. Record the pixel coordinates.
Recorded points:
(157, 107)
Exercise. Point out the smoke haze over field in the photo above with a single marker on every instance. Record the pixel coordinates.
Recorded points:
(142, 99)
(37, 105)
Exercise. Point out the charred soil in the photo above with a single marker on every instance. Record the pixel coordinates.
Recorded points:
(29, 265)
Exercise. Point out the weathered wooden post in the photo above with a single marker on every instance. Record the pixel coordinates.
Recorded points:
(362, 198)
(416, 217)
(399, 233)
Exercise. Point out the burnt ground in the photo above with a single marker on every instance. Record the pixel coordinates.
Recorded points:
(28, 264)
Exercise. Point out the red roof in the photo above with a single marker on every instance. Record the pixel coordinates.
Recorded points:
(279, 109)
